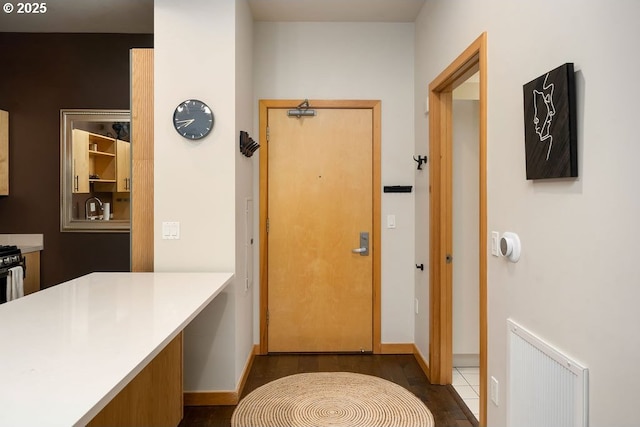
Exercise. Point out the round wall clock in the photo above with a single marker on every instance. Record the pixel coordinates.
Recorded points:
(193, 119)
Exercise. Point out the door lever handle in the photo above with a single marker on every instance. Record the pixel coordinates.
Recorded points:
(363, 250)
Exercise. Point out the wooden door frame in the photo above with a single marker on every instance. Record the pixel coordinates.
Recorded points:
(375, 107)
(472, 60)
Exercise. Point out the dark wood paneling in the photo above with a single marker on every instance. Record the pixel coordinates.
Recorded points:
(403, 370)
(40, 75)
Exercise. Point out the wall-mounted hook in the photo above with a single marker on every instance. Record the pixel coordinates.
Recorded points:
(247, 144)
(421, 160)
(420, 266)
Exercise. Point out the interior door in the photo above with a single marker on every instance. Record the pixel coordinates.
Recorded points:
(320, 203)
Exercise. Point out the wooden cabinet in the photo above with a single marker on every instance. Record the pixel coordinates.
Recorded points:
(94, 161)
(123, 167)
(80, 161)
(4, 153)
(32, 278)
(153, 397)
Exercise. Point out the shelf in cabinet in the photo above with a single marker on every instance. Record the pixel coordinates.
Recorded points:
(101, 153)
(110, 181)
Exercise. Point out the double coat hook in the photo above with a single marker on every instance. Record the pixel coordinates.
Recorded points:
(421, 160)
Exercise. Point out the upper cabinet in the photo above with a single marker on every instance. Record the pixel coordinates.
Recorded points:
(4, 153)
(80, 162)
(123, 166)
(94, 161)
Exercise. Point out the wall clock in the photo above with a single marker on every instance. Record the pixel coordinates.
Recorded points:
(193, 119)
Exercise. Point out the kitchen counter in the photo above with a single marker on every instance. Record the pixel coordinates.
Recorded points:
(25, 242)
(68, 350)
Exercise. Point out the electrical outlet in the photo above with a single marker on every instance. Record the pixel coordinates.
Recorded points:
(416, 305)
(494, 391)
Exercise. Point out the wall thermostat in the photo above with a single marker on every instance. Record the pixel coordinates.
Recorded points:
(510, 246)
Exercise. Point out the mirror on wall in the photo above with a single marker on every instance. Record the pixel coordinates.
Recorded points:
(95, 170)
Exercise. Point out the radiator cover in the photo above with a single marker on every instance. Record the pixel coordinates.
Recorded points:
(546, 387)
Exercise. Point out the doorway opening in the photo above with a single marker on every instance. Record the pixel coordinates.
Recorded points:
(465, 214)
(471, 61)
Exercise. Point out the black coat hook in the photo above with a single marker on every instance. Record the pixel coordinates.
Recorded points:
(247, 144)
(420, 266)
(421, 160)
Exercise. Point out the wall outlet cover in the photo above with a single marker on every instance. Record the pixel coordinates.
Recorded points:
(494, 391)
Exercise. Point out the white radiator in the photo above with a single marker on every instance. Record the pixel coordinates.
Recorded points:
(546, 388)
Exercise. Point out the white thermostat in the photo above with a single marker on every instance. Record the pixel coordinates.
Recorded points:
(510, 246)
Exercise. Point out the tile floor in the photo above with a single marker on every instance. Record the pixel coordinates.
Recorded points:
(466, 381)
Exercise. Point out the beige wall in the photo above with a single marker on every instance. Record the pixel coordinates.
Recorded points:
(296, 60)
(244, 183)
(466, 293)
(201, 50)
(576, 284)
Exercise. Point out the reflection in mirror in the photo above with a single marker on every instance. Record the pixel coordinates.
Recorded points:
(95, 170)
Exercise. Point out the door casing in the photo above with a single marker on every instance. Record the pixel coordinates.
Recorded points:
(375, 107)
(472, 60)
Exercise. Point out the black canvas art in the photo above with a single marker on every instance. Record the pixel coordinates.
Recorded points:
(550, 125)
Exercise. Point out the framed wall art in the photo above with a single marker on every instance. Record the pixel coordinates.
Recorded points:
(550, 125)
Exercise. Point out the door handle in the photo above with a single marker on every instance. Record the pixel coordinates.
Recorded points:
(363, 250)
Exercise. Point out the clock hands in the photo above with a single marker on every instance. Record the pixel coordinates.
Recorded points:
(184, 123)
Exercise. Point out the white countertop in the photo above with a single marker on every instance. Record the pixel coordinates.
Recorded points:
(26, 242)
(66, 351)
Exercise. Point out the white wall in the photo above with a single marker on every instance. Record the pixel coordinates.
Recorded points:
(201, 184)
(244, 180)
(356, 61)
(465, 201)
(576, 284)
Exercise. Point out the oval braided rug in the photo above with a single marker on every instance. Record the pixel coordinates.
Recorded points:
(331, 399)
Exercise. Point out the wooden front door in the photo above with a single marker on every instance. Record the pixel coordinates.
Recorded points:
(320, 200)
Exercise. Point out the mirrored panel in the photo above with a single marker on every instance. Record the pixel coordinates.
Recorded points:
(95, 170)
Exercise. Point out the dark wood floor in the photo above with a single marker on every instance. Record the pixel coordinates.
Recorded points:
(447, 408)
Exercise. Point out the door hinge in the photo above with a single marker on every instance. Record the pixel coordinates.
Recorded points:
(268, 134)
(267, 317)
(267, 225)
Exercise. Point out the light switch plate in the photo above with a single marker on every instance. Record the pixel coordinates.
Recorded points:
(495, 238)
(391, 221)
(170, 230)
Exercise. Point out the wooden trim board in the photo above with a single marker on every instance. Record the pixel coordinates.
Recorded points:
(222, 398)
(473, 59)
(141, 200)
(397, 348)
(4, 153)
(424, 365)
